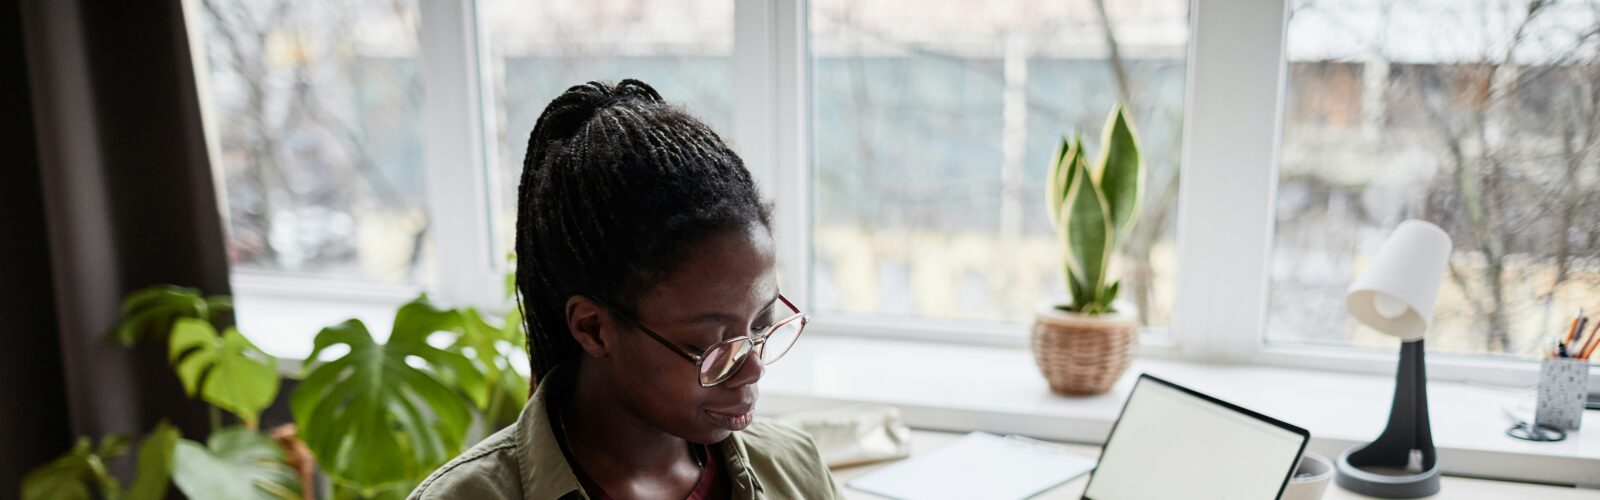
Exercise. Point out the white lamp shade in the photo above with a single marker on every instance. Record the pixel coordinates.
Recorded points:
(1397, 292)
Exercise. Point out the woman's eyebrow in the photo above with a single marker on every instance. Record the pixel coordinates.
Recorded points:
(722, 317)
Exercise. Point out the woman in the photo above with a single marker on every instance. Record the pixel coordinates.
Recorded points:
(645, 268)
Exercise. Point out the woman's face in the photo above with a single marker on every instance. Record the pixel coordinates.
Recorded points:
(726, 287)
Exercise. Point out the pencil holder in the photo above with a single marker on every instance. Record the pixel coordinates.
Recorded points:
(1563, 385)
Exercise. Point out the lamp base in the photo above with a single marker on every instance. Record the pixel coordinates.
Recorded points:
(1388, 466)
(1384, 482)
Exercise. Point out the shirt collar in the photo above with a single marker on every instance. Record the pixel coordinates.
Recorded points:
(545, 471)
(736, 461)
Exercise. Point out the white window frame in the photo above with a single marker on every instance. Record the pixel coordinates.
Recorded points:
(771, 123)
(1227, 201)
(1234, 100)
(457, 159)
(460, 197)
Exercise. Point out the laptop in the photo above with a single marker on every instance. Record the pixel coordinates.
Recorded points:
(1174, 442)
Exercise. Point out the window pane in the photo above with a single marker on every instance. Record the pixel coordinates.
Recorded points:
(683, 48)
(933, 127)
(1482, 117)
(315, 106)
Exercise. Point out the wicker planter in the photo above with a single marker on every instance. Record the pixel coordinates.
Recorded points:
(1082, 355)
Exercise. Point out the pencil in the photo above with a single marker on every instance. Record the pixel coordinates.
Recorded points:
(1583, 322)
(1572, 331)
(1590, 345)
(1580, 342)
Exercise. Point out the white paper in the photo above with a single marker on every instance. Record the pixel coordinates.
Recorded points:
(979, 465)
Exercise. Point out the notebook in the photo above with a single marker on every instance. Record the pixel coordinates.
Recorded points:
(978, 465)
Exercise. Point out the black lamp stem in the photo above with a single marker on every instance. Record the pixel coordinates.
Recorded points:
(1382, 468)
(1408, 417)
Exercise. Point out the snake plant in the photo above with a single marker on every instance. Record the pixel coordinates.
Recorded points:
(1093, 208)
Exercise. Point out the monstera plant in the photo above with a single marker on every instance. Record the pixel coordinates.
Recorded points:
(377, 417)
(1083, 342)
(373, 418)
(226, 371)
(69, 476)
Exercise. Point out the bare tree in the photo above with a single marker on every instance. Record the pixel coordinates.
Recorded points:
(884, 190)
(1513, 139)
(285, 148)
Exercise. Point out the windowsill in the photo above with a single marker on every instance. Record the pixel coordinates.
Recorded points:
(998, 389)
(282, 315)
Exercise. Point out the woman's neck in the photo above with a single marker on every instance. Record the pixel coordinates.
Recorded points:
(615, 448)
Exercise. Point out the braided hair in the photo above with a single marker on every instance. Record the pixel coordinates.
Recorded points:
(617, 186)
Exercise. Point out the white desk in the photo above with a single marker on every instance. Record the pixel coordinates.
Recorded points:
(1453, 488)
(937, 387)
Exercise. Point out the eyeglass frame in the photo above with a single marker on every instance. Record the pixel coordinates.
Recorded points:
(699, 359)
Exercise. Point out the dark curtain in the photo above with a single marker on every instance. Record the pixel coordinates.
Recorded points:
(32, 406)
(108, 189)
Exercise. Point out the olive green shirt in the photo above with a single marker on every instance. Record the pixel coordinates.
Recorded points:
(524, 461)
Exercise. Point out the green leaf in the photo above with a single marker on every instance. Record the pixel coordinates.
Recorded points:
(150, 312)
(511, 274)
(1121, 171)
(1069, 173)
(219, 308)
(1108, 300)
(228, 372)
(235, 463)
(396, 492)
(372, 418)
(155, 464)
(1089, 235)
(1080, 295)
(61, 478)
(513, 385)
(67, 476)
(115, 445)
(491, 349)
(416, 322)
(1056, 185)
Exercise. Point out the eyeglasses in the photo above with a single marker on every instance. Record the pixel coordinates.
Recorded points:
(719, 362)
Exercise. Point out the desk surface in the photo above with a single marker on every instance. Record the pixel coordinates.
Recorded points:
(1453, 487)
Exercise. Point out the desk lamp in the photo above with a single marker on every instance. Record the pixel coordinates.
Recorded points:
(1395, 296)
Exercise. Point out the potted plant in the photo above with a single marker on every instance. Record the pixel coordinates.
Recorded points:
(368, 439)
(1083, 342)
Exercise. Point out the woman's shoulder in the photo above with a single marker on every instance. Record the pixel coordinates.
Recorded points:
(488, 470)
(774, 433)
(780, 444)
(785, 459)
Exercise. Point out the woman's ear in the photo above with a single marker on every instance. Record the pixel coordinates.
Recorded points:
(585, 321)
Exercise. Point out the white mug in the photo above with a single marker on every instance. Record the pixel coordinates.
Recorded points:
(1310, 479)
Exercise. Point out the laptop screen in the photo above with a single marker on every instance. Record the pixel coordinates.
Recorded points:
(1172, 442)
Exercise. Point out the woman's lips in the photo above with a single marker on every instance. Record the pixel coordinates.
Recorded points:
(733, 420)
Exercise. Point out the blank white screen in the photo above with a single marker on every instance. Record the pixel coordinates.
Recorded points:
(1170, 444)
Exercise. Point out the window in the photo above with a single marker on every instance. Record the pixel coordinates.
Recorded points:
(932, 130)
(904, 143)
(536, 50)
(314, 108)
(1481, 117)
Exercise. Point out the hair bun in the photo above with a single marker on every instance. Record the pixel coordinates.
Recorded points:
(637, 89)
(573, 108)
(580, 103)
